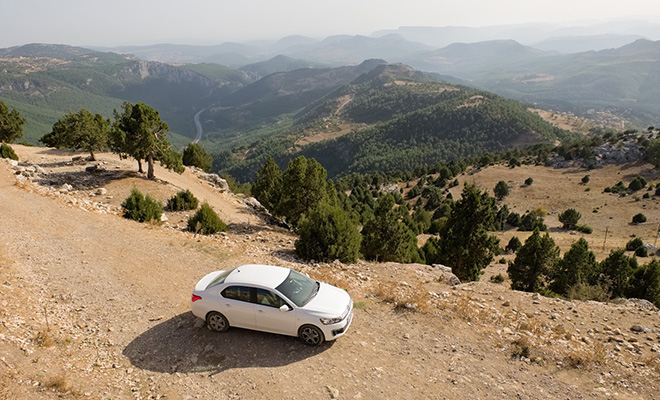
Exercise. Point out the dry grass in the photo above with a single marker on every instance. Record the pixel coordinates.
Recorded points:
(404, 297)
(521, 347)
(583, 358)
(45, 338)
(59, 382)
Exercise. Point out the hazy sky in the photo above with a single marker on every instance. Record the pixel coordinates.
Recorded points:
(119, 22)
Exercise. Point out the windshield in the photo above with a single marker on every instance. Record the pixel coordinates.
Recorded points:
(298, 288)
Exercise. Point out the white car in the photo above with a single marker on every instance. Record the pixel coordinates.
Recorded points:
(272, 299)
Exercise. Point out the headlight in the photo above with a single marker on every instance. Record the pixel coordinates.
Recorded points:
(328, 321)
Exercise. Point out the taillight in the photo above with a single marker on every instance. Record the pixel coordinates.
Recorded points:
(195, 298)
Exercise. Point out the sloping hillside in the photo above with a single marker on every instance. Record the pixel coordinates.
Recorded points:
(96, 306)
(395, 118)
(45, 81)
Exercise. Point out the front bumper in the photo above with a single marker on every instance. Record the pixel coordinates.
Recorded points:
(332, 332)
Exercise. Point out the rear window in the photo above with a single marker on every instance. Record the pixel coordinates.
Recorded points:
(220, 278)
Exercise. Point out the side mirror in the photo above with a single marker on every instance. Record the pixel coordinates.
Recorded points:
(285, 308)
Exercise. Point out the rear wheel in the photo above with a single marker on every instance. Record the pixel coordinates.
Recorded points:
(217, 322)
(311, 335)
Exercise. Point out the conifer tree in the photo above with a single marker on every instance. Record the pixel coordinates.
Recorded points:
(303, 186)
(11, 124)
(385, 237)
(578, 266)
(533, 263)
(465, 245)
(79, 131)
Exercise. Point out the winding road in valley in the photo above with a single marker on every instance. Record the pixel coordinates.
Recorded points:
(198, 125)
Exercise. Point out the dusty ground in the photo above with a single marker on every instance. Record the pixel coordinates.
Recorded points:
(96, 306)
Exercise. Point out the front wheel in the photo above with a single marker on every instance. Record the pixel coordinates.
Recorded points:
(217, 322)
(311, 335)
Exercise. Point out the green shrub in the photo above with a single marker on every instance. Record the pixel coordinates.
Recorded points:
(583, 291)
(637, 183)
(182, 201)
(584, 229)
(6, 151)
(642, 251)
(195, 155)
(585, 179)
(634, 244)
(206, 221)
(140, 208)
(327, 234)
(499, 278)
(639, 218)
(569, 218)
(529, 181)
(514, 245)
(514, 219)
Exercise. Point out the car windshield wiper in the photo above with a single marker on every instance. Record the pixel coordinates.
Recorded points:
(313, 294)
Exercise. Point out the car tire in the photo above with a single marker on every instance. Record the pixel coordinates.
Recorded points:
(311, 335)
(217, 322)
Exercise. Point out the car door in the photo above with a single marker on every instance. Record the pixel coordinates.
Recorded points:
(236, 306)
(270, 318)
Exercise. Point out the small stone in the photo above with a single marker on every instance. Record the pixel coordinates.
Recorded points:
(506, 303)
(637, 328)
(334, 393)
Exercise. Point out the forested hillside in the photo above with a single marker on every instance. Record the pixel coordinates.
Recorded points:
(46, 81)
(401, 120)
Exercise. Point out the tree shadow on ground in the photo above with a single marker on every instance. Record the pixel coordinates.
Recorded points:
(83, 180)
(184, 344)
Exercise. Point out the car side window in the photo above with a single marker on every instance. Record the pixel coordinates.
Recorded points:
(241, 293)
(268, 298)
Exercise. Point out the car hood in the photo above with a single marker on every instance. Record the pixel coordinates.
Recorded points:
(329, 300)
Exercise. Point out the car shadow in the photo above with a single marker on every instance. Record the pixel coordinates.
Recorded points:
(184, 344)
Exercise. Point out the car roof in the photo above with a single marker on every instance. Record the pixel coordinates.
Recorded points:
(257, 274)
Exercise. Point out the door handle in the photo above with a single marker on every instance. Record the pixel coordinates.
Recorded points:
(260, 311)
(228, 305)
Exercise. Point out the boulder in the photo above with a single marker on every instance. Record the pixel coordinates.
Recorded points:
(216, 181)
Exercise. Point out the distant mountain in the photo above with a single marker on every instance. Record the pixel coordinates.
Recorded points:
(524, 33)
(393, 117)
(625, 81)
(344, 49)
(579, 44)
(471, 60)
(278, 64)
(232, 54)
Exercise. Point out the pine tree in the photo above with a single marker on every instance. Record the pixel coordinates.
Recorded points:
(326, 234)
(385, 237)
(195, 155)
(138, 132)
(79, 131)
(11, 124)
(303, 186)
(578, 266)
(533, 263)
(617, 271)
(466, 246)
(569, 218)
(268, 185)
(501, 190)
